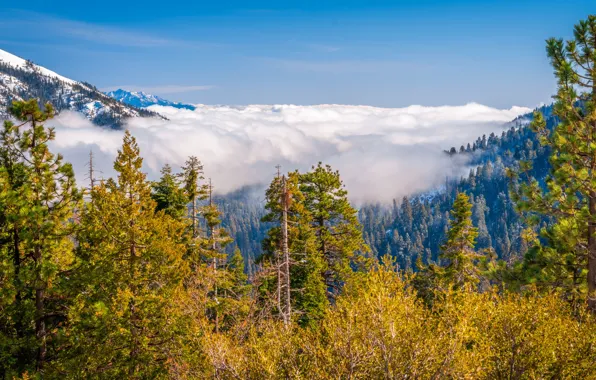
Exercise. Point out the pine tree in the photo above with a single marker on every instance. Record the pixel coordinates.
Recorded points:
(168, 195)
(233, 289)
(338, 232)
(213, 252)
(237, 273)
(39, 197)
(307, 286)
(479, 216)
(192, 175)
(127, 321)
(458, 254)
(217, 237)
(16, 348)
(570, 194)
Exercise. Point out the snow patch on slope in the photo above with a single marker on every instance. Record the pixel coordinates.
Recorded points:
(21, 79)
(21, 63)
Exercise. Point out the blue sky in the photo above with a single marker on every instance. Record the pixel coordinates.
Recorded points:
(379, 53)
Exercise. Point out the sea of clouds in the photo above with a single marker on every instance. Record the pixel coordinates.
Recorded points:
(381, 153)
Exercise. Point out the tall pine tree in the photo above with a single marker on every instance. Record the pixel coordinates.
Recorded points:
(458, 255)
(192, 175)
(168, 195)
(338, 233)
(126, 319)
(307, 265)
(570, 193)
(39, 197)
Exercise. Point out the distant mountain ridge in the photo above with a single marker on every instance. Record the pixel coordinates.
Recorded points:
(141, 99)
(21, 79)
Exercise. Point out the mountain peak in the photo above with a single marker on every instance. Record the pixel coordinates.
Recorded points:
(23, 64)
(142, 99)
(22, 79)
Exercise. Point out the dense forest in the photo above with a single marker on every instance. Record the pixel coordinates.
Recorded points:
(495, 277)
(415, 226)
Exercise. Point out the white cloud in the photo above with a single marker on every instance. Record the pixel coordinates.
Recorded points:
(381, 152)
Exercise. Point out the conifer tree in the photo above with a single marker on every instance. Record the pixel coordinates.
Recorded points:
(335, 222)
(306, 264)
(168, 195)
(570, 194)
(212, 254)
(233, 289)
(39, 197)
(237, 273)
(217, 237)
(126, 319)
(458, 252)
(192, 175)
(479, 218)
(458, 267)
(16, 348)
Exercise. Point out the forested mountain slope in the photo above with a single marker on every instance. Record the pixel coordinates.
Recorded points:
(416, 226)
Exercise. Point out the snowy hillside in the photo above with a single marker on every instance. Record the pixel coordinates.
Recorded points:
(21, 79)
(141, 100)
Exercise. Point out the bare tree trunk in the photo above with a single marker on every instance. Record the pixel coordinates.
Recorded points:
(214, 249)
(278, 268)
(194, 217)
(91, 171)
(285, 251)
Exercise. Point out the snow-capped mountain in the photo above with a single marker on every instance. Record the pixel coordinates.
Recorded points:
(141, 99)
(21, 79)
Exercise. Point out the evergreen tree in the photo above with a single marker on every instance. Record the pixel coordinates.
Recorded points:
(233, 289)
(237, 273)
(458, 254)
(307, 286)
(192, 175)
(168, 195)
(127, 321)
(479, 217)
(570, 193)
(338, 232)
(38, 200)
(458, 268)
(17, 349)
(213, 254)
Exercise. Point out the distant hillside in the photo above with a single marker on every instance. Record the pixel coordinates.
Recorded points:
(141, 99)
(21, 79)
(416, 226)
